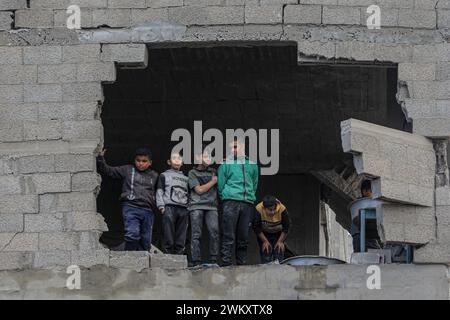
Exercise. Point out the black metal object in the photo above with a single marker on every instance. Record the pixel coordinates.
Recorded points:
(311, 261)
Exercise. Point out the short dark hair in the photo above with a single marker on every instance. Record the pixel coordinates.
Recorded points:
(366, 185)
(143, 151)
(269, 201)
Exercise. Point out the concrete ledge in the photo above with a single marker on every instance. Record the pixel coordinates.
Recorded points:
(251, 282)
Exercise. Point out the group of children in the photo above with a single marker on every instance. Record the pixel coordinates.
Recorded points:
(195, 198)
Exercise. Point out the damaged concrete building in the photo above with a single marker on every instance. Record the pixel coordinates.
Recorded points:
(349, 101)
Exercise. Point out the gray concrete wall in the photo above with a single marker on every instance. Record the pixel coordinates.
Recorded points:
(50, 94)
(253, 282)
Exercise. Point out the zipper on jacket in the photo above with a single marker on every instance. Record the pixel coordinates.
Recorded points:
(243, 173)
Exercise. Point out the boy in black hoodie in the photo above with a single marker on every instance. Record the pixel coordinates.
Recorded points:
(137, 197)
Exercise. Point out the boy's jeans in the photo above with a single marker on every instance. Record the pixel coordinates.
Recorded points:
(236, 219)
(272, 255)
(138, 223)
(212, 225)
(175, 224)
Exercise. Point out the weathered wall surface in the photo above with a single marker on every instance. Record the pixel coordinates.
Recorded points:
(51, 93)
(253, 283)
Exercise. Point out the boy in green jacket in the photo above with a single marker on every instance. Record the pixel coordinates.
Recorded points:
(237, 184)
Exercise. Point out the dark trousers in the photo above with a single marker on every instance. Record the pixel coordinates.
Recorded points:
(272, 255)
(211, 218)
(370, 243)
(236, 219)
(138, 224)
(175, 224)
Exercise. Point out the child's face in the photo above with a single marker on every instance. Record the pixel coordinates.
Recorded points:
(176, 161)
(204, 159)
(142, 163)
(367, 193)
(271, 210)
(237, 148)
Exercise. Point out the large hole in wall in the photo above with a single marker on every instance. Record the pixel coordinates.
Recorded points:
(245, 85)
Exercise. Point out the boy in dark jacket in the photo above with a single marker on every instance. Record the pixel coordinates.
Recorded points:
(172, 201)
(203, 207)
(237, 184)
(137, 197)
(271, 225)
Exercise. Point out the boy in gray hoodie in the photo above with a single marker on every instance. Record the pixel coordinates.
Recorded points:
(172, 201)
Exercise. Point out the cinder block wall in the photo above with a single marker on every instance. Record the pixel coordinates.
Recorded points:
(51, 92)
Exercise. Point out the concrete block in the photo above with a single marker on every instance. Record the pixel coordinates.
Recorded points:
(18, 74)
(43, 93)
(16, 260)
(89, 241)
(34, 164)
(112, 18)
(366, 258)
(135, 260)
(50, 259)
(11, 222)
(89, 258)
(389, 17)
(188, 15)
(341, 15)
(98, 71)
(11, 55)
(127, 4)
(68, 111)
(61, 17)
(85, 181)
(67, 202)
(83, 53)
(42, 130)
(34, 18)
(302, 14)
(13, 4)
(66, 241)
(225, 15)
(11, 93)
(168, 261)
(63, 4)
(417, 18)
(165, 3)
(6, 20)
(263, 14)
(11, 204)
(82, 130)
(443, 196)
(398, 53)
(139, 16)
(42, 55)
(387, 162)
(85, 221)
(443, 19)
(74, 162)
(22, 242)
(43, 222)
(426, 53)
(51, 182)
(131, 55)
(10, 184)
(416, 71)
(60, 73)
(86, 91)
(11, 131)
(432, 127)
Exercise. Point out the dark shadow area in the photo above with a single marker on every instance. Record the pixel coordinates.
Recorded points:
(241, 86)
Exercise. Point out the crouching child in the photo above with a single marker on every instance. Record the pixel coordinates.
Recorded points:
(137, 197)
(271, 225)
(172, 201)
(203, 207)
